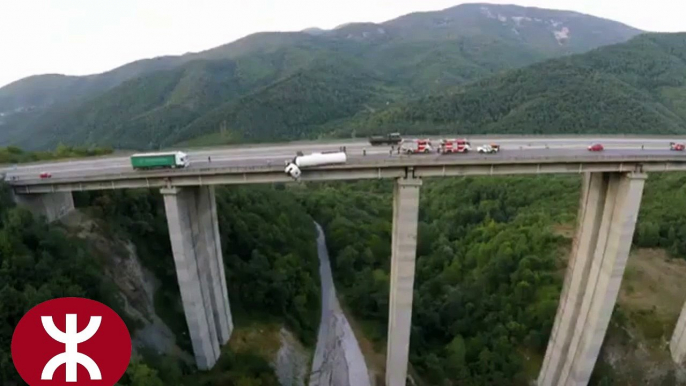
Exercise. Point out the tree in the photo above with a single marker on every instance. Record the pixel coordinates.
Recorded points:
(139, 374)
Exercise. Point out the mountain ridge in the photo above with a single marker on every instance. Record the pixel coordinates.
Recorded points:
(142, 66)
(633, 87)
(411, 56)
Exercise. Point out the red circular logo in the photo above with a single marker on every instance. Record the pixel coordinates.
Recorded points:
(71, 341)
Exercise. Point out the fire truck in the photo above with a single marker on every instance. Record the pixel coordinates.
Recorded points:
(416, 146)
(676, 146)
(454, 146)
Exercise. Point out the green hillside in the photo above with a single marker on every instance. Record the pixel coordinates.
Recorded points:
(143, 111)
(635, 87)
(182, 97)
(295, 106)
(40, 91)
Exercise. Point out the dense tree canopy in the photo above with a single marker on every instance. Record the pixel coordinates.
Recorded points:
(485, 284)
(269, 256)
(489, 264)
(39, 262)
(632, 88)
(488, 271)
(660, 224)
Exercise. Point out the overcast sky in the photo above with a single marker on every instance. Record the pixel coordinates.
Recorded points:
(79, 37)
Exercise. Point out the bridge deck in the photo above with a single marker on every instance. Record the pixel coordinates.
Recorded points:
(369, 167)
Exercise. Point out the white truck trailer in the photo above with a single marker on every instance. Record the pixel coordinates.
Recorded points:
(293, 168)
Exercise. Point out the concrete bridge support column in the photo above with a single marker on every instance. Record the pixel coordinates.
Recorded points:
(194, 234)
(53, 206)
(607, 218)
(404, 250)
(678, 343)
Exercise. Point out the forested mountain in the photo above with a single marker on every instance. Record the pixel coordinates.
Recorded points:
(635, 87)
(143, 110)
(41, 91)
(181, 97)
(295, 106)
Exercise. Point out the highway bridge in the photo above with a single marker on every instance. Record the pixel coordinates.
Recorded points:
(243, 165)
(613, 182)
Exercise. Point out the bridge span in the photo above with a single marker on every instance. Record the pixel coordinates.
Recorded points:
(612, 188)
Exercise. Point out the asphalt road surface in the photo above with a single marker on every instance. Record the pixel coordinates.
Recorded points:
(279, 153)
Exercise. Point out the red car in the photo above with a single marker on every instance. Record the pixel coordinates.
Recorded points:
(45, 175)
(676, 146)
(595, 147)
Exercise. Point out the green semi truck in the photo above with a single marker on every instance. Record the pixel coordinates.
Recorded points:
(388, 139)
(174, 159)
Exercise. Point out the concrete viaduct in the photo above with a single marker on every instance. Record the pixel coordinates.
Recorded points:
(610, 200)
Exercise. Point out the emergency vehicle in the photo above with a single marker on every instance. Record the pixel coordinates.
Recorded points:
(676, 146)
(416, 146)
(454, 146)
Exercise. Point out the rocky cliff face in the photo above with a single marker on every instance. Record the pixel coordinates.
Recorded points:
(291, 362)
(136, 284)
(137, 287)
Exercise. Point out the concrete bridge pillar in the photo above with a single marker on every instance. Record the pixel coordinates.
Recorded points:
(404, 251)
(606, 222)
(53, 206)
(678, 343)
(194, 234)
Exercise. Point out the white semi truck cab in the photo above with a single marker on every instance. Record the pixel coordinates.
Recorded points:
(294, 167)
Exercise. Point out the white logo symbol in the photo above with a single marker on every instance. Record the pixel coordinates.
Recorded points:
(71, 356)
